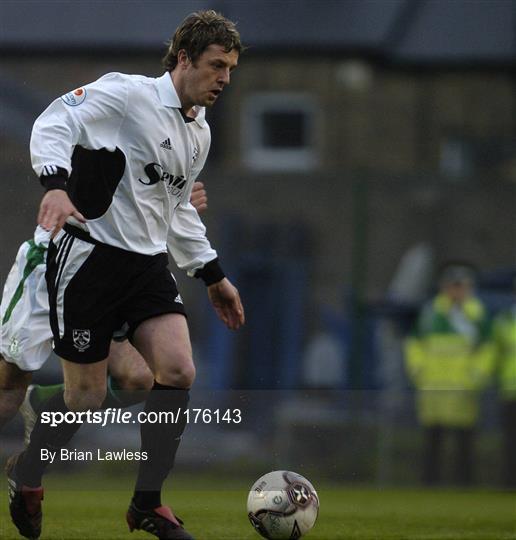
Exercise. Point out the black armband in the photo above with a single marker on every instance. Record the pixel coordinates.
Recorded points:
(53, 177)
(211, 272)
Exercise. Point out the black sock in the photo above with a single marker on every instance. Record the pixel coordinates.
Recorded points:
(31, 467)
(160, 441)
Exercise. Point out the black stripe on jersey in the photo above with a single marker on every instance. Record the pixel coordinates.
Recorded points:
(49, 170)
(94, 179)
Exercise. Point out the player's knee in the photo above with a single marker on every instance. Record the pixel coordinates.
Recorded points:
(84, 399)
(140, 380)
(180, 374)
(12, 377)
(146, 381)
(186, 376)
(10, 401)
(13, 385)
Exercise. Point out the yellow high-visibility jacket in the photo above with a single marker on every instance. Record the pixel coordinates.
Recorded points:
(450, 358)
(504, 332)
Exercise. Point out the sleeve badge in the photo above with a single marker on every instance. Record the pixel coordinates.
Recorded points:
(75, 97)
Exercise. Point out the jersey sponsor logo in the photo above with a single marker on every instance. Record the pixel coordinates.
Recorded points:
(74, 98)
(81, 339)
(166, 144)
(156, 173)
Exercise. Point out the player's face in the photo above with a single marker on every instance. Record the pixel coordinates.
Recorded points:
(205, 79)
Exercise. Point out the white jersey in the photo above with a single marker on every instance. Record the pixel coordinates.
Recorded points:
(132, 158)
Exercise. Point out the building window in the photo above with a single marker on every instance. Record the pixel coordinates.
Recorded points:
(464, 155)
(279, 132)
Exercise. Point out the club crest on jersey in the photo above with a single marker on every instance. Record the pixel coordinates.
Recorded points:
(195, 154)
(74, 98)
(81, 339)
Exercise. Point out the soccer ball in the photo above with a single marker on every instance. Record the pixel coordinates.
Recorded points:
(282, 505)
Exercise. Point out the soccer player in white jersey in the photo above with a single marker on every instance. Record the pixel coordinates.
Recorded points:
(26, 338)
(118, 158)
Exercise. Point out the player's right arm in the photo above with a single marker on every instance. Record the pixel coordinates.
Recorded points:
(199, 197)
(85, 116)
(55, 208)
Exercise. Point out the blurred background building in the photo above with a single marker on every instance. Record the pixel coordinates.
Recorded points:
(361, 144)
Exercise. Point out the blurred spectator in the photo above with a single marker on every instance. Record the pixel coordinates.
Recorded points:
(413, 276)
(505, 341)
(324, 362)
(449, 358)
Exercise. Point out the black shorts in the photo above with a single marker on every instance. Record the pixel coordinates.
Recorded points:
(94, 289)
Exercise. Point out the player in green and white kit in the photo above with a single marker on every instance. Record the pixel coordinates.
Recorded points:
(26, 337)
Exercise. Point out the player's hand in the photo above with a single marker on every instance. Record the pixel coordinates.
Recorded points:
(54, 210)
(227, 304)
(199, 197)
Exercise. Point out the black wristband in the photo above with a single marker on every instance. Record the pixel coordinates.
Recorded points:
(56, 180)
(211, 272)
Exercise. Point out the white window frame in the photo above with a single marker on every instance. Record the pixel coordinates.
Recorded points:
(259, 157)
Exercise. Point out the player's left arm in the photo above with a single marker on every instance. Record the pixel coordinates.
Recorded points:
(192, 251)
(226, 302)
(186, 241)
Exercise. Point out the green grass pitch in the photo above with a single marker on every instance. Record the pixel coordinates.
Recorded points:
(214, 511)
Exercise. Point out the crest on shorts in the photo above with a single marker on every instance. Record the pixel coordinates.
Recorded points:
(14, 348)
(81, 339)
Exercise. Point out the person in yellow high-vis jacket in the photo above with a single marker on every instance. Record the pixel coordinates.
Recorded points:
(505, 339)
(449, 359)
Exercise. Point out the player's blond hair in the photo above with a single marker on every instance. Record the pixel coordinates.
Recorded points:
(197, 32)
